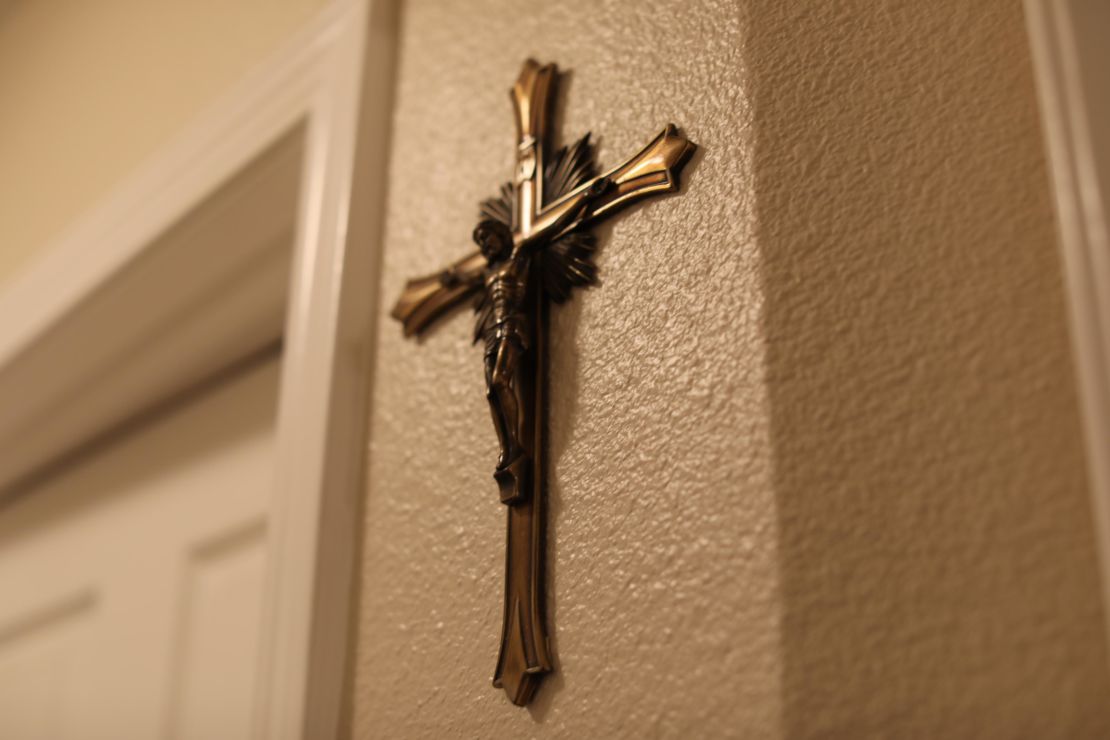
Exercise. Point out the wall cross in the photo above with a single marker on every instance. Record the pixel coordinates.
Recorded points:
(534, 247)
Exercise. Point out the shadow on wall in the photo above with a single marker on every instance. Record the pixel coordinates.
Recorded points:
(938, 565)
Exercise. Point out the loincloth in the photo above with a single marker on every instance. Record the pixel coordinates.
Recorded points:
(514, 329)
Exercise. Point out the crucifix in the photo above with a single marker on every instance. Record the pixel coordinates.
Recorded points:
(533, 248)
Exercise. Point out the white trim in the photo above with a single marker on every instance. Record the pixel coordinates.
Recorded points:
(335, 90)
(220, 143)
(212, 288)
(1080, 187)
(323, 410)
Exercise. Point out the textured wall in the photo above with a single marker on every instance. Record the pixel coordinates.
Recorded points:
(816, 459)
(663, 606)
(936, 549)
(88, 90)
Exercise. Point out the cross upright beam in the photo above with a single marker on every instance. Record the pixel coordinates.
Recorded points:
(531, 97)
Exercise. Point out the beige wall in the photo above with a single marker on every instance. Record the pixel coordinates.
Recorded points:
(662, 522)
(817, 465)
(90, 88)
(938, 575)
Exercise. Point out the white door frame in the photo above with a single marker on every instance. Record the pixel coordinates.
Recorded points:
(1059, 32)
(332, 83)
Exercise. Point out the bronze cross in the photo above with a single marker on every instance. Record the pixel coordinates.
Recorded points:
(534, 247)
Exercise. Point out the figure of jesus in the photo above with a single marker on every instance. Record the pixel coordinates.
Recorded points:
(507, 335)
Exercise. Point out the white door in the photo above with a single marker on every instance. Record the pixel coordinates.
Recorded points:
(131, 582)
(131, 603)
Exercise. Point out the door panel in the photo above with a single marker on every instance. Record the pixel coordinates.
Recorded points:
(220, 610)
(131, 582)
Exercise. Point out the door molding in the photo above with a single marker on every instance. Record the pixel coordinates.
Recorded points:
(314, 117)
(1061, 38)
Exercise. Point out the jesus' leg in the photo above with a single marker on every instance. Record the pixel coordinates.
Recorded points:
(507, 389)
(495, 412)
